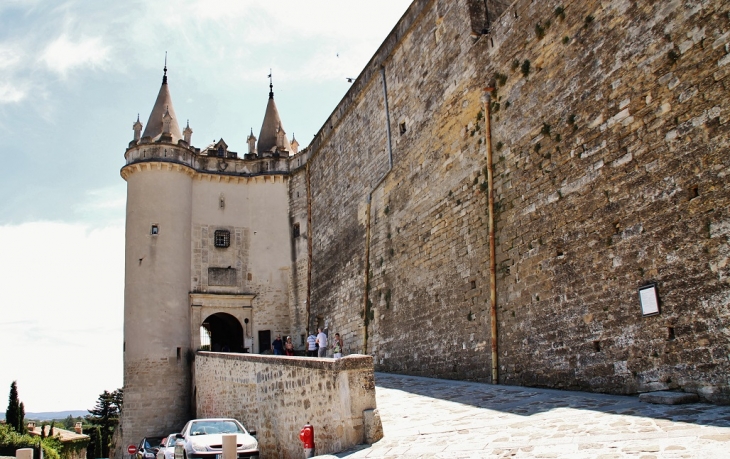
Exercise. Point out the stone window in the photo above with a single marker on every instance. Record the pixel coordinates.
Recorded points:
(154, 230)
(221, 152)
(402, 128)
(222, 238)
(295, 230)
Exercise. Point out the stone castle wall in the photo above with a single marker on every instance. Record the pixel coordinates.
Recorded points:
(277, 396)
(610, 135)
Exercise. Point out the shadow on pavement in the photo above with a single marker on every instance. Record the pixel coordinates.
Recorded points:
(527, 401)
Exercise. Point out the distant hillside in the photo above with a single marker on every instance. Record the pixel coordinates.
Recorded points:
(50, 415)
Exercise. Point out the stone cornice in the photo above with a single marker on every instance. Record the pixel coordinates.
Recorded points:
(211, 176)
(129, 169)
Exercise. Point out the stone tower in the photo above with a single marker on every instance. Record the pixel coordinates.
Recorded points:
(208, 259)
(157, 377)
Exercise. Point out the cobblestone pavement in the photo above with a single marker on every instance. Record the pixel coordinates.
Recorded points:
(424, 417)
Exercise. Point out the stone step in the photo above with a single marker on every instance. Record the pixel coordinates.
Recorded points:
(664, 397)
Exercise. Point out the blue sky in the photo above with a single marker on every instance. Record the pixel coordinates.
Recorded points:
(73, 77)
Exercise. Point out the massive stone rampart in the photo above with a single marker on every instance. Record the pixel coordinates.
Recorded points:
(277, 396)
(610, 137)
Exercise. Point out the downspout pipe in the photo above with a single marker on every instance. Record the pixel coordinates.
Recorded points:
(492, 249)
(387, 126)
(366, 319)
(310, 323)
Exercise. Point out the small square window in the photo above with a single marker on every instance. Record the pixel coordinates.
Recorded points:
(154, 230)
(222, 238)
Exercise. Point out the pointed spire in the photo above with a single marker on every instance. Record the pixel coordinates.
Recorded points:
(271, 126)
(137, 128)
(187, 133)
(163, 107)
(294, 144)
(251, 143)
(164, 76)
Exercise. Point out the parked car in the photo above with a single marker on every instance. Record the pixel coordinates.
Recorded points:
(203, 439)
(148, 447)
(167, 448)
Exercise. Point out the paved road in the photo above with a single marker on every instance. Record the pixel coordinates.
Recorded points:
(424, 417)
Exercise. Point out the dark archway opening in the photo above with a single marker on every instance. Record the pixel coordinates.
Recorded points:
(224, 331)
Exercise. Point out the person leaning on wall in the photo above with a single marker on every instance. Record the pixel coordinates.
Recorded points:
(311, 345)
(288, 346)
(278, 346)
(337, 346)
(322, 342)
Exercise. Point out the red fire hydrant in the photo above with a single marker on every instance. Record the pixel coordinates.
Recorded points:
(306, 435)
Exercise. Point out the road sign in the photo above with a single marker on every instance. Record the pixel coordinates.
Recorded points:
(131, 449)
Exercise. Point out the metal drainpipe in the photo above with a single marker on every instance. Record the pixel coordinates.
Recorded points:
(309, 249)
(387, 124)
(366, 320)
(492, 249)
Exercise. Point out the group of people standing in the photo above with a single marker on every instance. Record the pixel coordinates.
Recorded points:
(282, 347)
(316, 345)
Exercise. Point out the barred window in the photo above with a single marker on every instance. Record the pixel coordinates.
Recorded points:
(222, 238)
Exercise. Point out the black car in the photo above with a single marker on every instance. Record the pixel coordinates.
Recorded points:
(148, 447)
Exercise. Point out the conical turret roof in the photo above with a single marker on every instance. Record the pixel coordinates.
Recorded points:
(270, 127)
(163, 105)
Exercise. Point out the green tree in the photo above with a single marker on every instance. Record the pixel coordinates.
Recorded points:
(50, 429)
(15, 414)
(69, 423)
(10, 441)
(21, 420)
(93, 451)
(105, 415)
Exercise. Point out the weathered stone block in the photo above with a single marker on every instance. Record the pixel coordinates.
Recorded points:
(669, 398)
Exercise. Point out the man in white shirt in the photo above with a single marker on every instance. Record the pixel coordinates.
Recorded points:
(311, 345)
(322, 341)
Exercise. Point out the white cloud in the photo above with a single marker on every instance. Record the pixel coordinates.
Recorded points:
(63, 55)
(61, 327)
(112, 197)
(9, 56)
(10, 93)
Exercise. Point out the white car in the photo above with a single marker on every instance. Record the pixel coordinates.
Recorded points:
(203, 439)
(167, 448)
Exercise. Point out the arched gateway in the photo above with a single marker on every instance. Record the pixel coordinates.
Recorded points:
(222, 322)
(221, 332)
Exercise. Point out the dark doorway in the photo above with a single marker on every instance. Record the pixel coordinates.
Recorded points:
(226, 333)
(264, 341)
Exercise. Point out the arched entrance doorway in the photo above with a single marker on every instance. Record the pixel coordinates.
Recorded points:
(223, 333)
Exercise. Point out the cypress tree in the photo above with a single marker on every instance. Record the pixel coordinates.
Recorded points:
(98, 445)
(105, 415)
(15, 414)
(21, 419)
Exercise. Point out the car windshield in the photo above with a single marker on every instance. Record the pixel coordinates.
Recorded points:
(215, 427)
(152, 442)
(171, 440)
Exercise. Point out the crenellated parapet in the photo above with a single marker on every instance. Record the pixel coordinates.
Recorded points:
(163, 142)
(215, 160)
